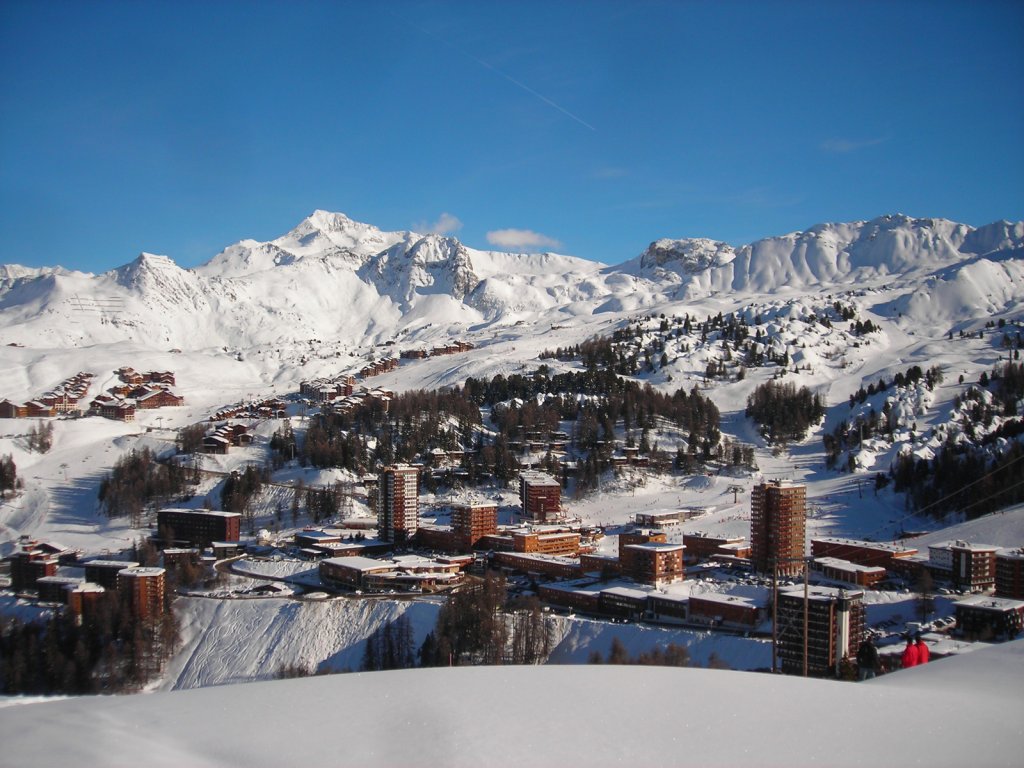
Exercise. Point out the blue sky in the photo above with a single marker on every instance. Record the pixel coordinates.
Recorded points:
(590, 128)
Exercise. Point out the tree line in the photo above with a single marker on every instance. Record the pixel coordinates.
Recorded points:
(8, 474)
(783, 411)
(109, 652)
(475, 626)
(138, 480)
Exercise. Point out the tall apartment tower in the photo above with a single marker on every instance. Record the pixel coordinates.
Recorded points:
(540, 495)
(398, 503)
(473, 521)
(835, 628)
(777, 527)
(144, 589)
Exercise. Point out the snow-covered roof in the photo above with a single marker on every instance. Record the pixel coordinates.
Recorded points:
(203, 512)
(990, 602)
(357, 563)
(656, 546)
(109, 564)
(887, 546)
(730, 599)
(846, 565)
(817, 592)
(141, 572)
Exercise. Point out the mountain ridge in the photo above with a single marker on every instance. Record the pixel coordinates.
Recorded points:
(331, 276)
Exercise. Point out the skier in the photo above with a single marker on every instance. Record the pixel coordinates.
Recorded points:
(867, 659)
(909, 658)
(923, 654)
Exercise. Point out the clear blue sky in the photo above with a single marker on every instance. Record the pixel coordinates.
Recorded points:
(588, 127)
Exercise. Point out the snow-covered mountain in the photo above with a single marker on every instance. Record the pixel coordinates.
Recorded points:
(332, 277)
(827, 255)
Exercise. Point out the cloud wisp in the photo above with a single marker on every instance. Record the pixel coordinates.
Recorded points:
(521, 239)
(446, 224)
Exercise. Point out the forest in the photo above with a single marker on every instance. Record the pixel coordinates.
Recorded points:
(784, 412)
(983, 472)
(109, 652)
(599, 405)
(138, 480)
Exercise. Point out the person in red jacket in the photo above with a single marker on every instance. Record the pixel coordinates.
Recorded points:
(922, 650)
(910, 653)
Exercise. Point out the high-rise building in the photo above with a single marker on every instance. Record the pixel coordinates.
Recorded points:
(835, 628)
(144, 590)
(398, 503)
(777, 527)
(473, 521)
(1010, 573)
(540, 496)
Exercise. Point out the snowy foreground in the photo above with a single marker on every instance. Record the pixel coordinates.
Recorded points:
(959, 711)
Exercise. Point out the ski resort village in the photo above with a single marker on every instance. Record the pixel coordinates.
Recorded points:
(350, 451)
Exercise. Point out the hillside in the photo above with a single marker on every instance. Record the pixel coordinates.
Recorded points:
(837, 309)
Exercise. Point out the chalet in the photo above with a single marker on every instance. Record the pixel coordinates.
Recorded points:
(11, 410)
(118, 411)
(35, 409)
(160, 377)
(216, 444)
(147, 399)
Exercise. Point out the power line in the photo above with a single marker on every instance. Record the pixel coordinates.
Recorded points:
(918, 512)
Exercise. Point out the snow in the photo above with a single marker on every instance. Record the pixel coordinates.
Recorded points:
(323, 298)
(950, 712)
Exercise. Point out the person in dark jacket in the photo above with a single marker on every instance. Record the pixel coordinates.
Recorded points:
(909, 657)
(923, 654)
(867, 659)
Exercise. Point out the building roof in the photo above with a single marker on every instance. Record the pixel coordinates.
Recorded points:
(110, 564)
(357, 563)
(846, 565)
(319, 535)
(534, 477)
(141, 572)
(84, 586)
(629, 592)
(989, 603)
(58, 580)
(961, 544)
(202, 512)
(816, 592)
(657, 546)
(886, 546)
(726, 598)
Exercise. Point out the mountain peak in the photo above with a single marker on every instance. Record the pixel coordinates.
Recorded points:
(328, 221)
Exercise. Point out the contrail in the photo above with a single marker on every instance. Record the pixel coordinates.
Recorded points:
(529, 90)
(496, 71)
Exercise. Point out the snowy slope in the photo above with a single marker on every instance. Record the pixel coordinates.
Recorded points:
(953, 712)
(332, 277)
